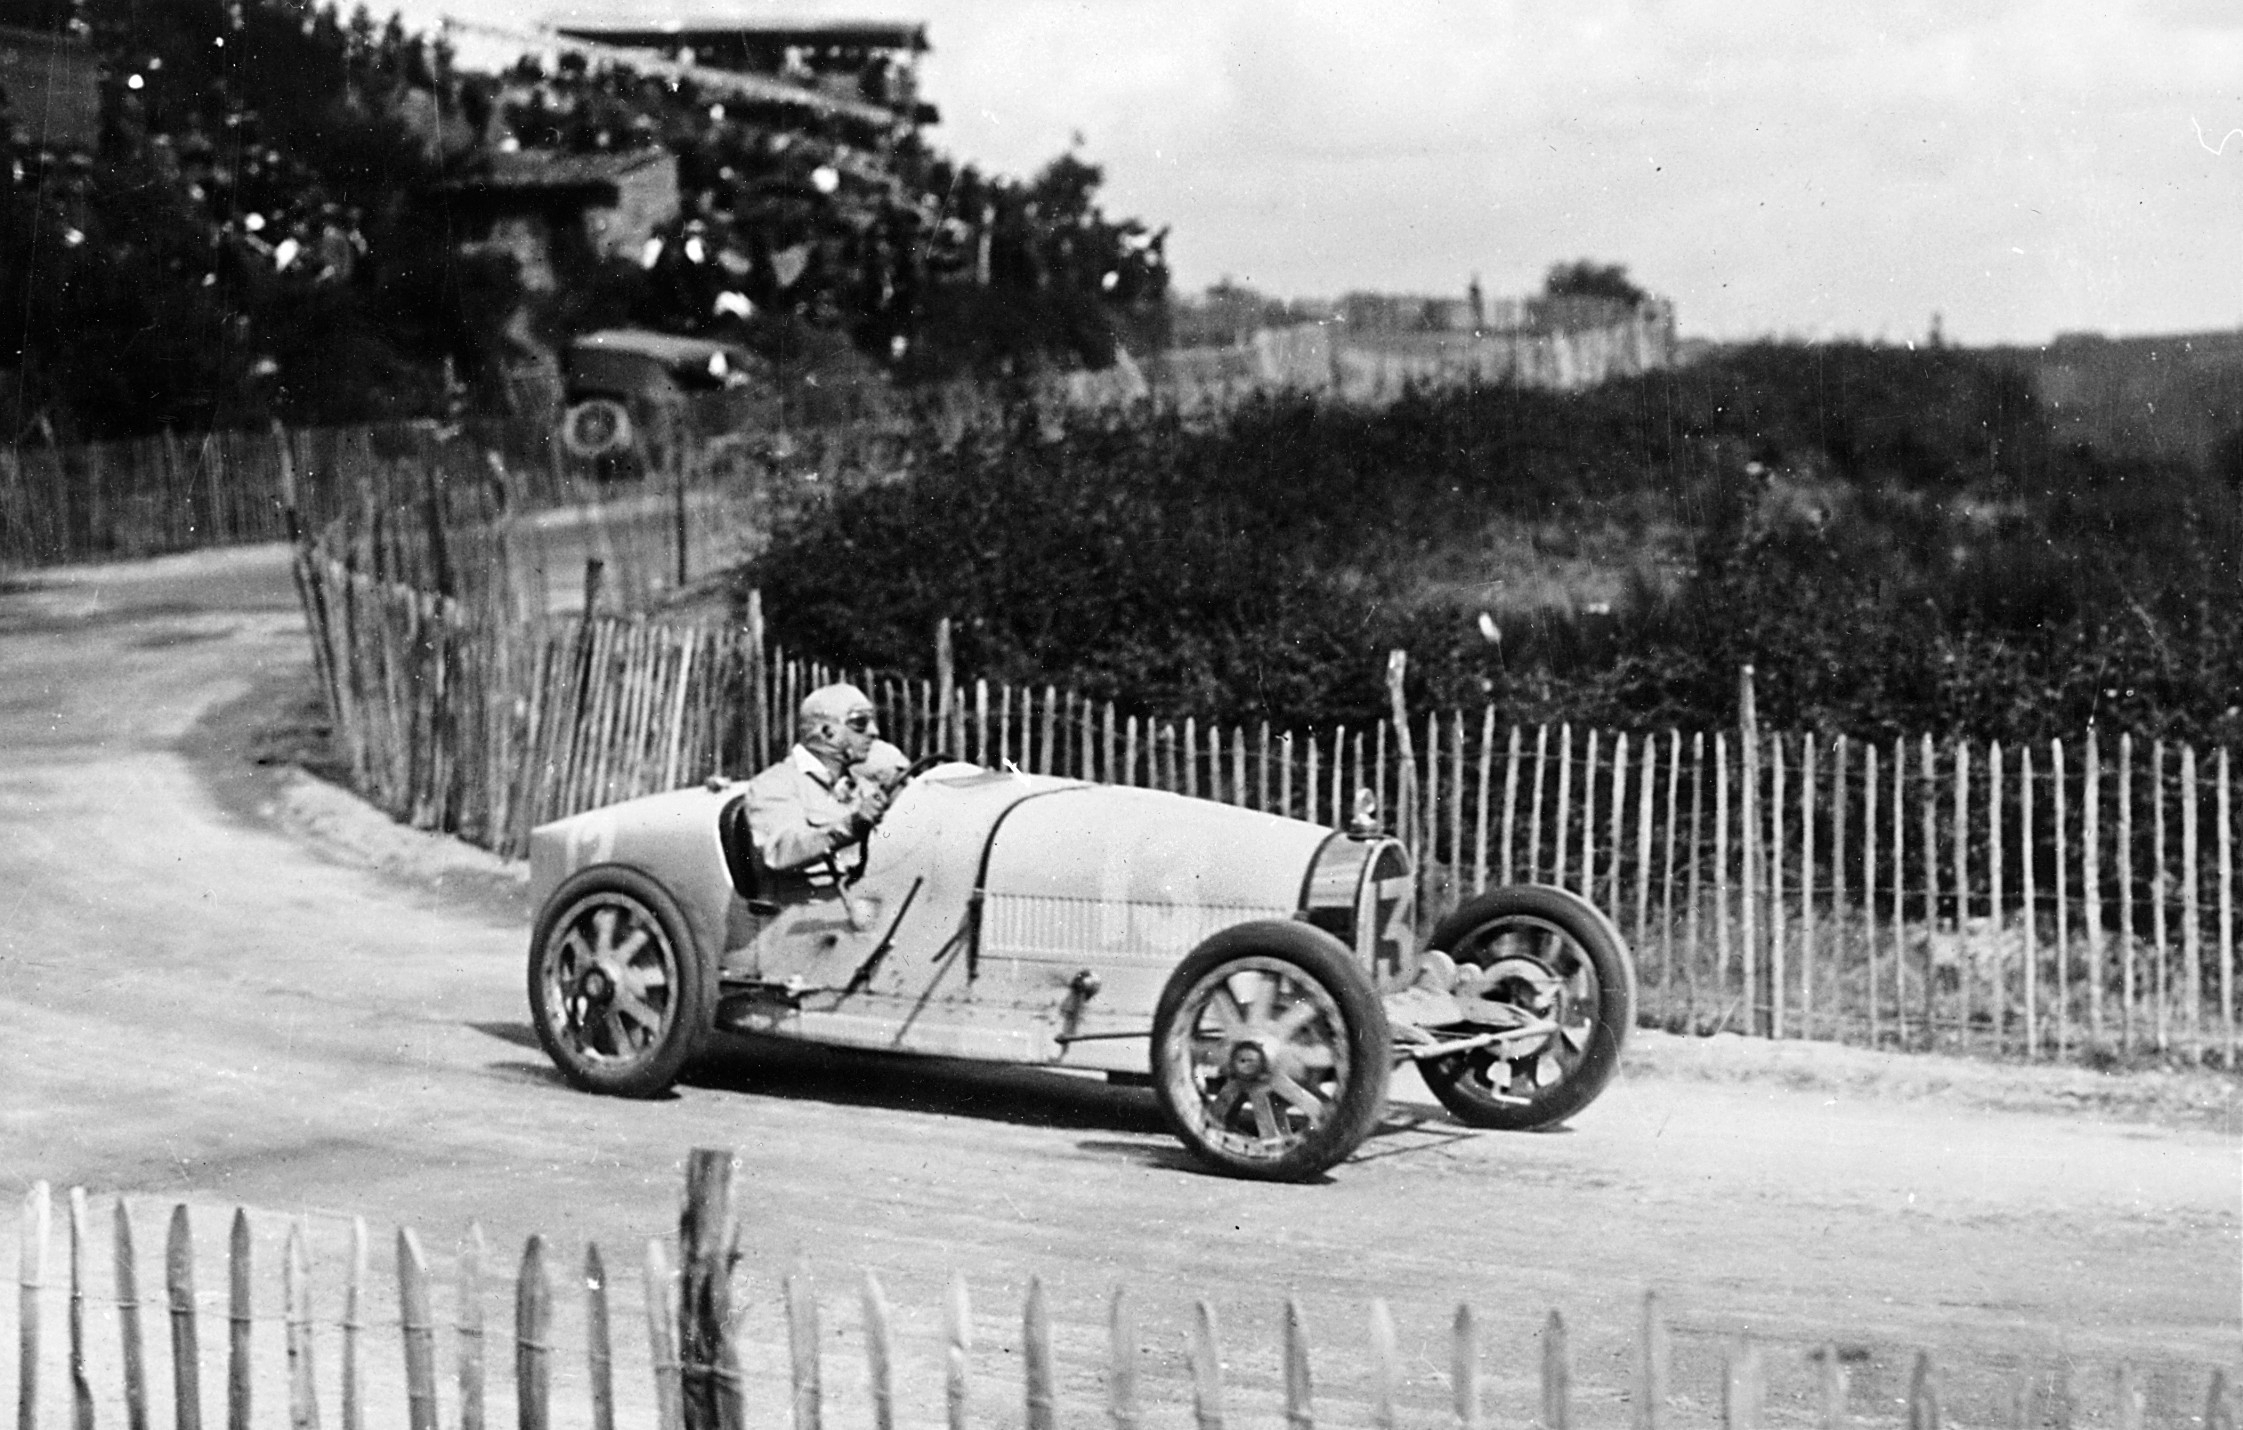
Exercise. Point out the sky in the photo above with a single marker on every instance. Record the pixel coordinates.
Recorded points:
(1775, 167)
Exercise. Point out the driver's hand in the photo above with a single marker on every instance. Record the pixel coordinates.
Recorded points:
(882, 768)
(865, 811)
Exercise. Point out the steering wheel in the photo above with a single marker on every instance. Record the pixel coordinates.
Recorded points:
(925, 763)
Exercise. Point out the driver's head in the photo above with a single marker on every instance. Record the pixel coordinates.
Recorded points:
(837, 724)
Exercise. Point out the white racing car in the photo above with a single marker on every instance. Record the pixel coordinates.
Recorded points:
(1262, 971)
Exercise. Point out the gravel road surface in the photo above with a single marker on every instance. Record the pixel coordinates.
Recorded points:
(225, 984)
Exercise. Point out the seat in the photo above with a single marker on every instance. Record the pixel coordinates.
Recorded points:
(750, 880)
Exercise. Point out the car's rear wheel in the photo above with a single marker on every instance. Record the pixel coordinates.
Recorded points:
(1549, 957)
(1271, 1051)
(619, 992)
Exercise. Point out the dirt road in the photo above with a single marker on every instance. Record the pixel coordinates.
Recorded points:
(197, 1003)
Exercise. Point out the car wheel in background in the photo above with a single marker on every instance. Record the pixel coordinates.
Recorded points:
(1271, 1051)
(597, 427)
(1550, 955)
(619, 992)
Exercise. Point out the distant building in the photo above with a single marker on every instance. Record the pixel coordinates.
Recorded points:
(1385, 313)
(552, 210)
(50, 76)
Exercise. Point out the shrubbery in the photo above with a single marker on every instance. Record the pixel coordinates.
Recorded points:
(1891, 537)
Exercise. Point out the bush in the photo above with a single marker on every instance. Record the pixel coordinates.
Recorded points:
(1891, 538)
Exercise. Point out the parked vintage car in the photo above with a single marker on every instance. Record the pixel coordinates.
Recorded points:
(1261, 971)
(619, 385)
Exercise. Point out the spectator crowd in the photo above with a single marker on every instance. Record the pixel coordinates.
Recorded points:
(259, 228)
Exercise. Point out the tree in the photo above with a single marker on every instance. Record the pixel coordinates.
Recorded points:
(1585, 278)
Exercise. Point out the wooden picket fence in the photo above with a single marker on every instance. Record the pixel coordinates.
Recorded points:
(144, 497)
(2062, 900)
(697, 1359)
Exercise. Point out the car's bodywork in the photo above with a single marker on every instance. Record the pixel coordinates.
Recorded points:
(1038, 920)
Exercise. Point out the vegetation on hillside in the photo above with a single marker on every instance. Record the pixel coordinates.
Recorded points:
(1890, 536)
(263, 232)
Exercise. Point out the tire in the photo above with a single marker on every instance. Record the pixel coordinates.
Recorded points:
(597, 427)
(610, 931)
(1271, 1051)
(1553, 954)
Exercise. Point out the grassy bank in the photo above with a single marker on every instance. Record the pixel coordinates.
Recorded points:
(1899, 541)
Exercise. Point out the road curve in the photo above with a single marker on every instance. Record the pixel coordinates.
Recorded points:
(196, 1005)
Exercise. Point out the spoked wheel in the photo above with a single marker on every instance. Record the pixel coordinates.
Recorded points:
(1534, 956)
(618, 990)
(1271, 1051)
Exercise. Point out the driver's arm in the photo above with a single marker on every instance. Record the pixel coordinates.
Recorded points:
(794, 823)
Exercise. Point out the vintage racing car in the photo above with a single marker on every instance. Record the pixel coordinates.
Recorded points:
(1262, 971)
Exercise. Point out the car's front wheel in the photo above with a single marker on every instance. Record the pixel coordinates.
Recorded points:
(1544, 958)
(619, 992)
(1271, 1051)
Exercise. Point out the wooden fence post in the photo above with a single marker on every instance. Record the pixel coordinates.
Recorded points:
(2161, 894)
(1041, 1405)
(982, 749)
(354, 1325)
(947, 738)
(1587, 887)
(1386, 1367)
(1534, 813)
(1923, 1395)
(1743, 1389)
(128, 1323)
(303, 1383)
(1723, 940)
(758, 744)
(179, 1287)
(1807, 886)
(31, 1282)
(599, 1340)
(1748, 740)
(1841, 919)
(2029, 899)
(2091, 853)
(1900, 889)
(2219, 1405)
(957, 1353)
(2192, 940)
(533, 1340)
(1465, 1368)
(2226, 835)
(1564, 809)
(1927, 799)
(1777, 934)
(1557, 1375)
(81, 1387)
(237, 1323)
(662, 1336)
(1964, 973)
(1480, 805)
(1121, 1360)
(2130, 1397)
(418, 1326)
(1831, 1388)
(1869, 877)
(1695, 920)
(879, 1351)
(707, 1240)
(1206, 1359)
(2058, 817)
(1653, 1366)
(2126, 1009)
(1616, 829)
(1646, 781)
